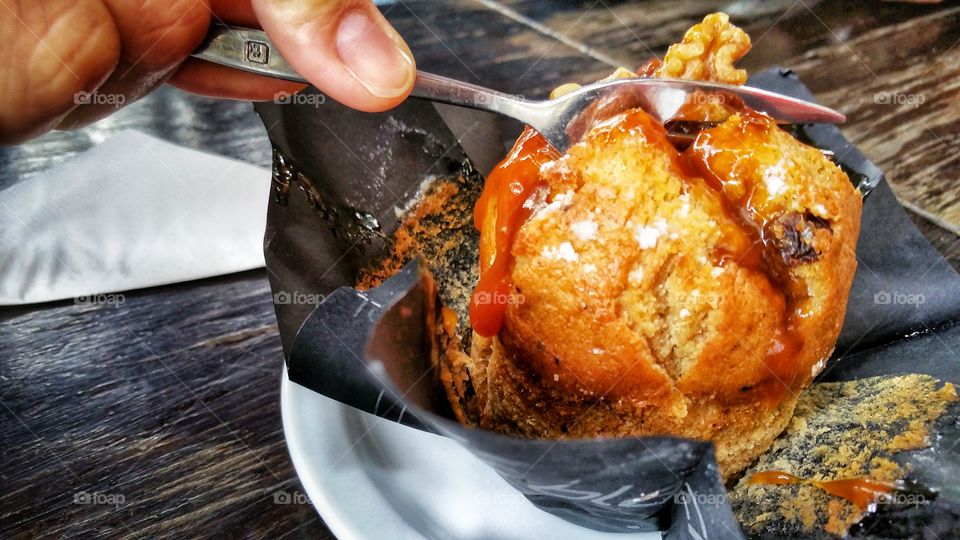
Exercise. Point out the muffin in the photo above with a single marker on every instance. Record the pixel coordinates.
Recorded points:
(629, 288)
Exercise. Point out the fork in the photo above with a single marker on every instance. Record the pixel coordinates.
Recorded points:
(559, 120)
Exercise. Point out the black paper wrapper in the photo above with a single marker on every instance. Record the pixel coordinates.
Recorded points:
(342, 182)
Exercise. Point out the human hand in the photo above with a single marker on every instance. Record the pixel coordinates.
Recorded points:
(70, 63)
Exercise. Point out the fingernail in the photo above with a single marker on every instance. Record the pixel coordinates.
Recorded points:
(374, 55)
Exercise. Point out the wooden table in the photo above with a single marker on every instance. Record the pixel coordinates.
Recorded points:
(165, 410)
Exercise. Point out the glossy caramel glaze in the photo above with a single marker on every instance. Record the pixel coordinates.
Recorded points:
(653, 296)
(749, 205)
(861, 492)
(499, 212)
(777, 190)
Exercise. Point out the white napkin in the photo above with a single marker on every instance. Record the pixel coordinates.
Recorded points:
(130, 213)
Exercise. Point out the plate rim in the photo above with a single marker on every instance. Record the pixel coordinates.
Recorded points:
(292, 438)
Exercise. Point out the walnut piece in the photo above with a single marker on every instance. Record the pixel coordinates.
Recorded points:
(707, 52)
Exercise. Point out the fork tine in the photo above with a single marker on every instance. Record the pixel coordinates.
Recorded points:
(667, 95)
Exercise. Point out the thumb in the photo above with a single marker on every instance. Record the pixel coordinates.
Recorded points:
(346, 48)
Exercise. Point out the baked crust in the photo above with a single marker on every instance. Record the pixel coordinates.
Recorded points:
(654, 287)
(652, 336)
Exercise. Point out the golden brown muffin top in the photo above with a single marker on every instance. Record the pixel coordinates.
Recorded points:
(637, 270)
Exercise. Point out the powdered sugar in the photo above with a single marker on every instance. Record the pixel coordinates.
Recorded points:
(648, 235)
(775, 177)
(584, 230)
(564, 252)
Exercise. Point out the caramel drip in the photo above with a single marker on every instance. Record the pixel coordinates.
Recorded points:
(501, 211)
(745, 207)
(861, 491)
(498, 215)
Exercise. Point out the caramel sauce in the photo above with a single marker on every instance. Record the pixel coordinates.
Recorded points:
(746, 207)
(649, 68)
(498, 215)
(635, 122)
(862, 492)
(448, 317)
(500, 212)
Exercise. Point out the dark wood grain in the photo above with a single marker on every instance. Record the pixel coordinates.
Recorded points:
(170, 399)
(898, 85)
(166, 404)
(470, 41)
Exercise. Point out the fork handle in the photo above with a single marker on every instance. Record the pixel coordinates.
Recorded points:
(252, 51)
(453, 92)
(247, 50)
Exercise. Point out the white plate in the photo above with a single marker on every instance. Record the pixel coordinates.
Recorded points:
(372, 478)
